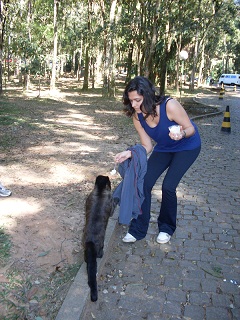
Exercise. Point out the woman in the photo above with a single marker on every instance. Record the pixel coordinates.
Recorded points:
(152, 116)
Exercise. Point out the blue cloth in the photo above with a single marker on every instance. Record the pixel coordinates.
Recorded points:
(129, 193)
(160, 133)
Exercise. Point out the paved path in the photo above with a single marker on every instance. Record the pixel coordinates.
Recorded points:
(197, 275)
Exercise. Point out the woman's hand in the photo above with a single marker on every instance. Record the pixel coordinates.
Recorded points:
(178, 136)
(122, 156)
(177, 113)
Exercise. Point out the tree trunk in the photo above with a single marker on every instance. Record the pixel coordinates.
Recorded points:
(93, 63)
(112, 73)
(79, 62)
(55, 43)
(163, 73)
(109, 54)
(2, 25)
(86, 70)
(153, 41)
(165, 59)
(191, 86)
(200, 71)
(178, 44)
(129, 62)
(87, 46)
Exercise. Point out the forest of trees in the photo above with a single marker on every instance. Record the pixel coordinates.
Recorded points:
(97, 39)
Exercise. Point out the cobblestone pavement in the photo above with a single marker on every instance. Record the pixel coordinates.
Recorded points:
(196, 276)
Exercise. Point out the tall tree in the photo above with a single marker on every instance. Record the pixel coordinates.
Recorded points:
(3, 12)
(108, 54)
(55, 45)
(87, 47)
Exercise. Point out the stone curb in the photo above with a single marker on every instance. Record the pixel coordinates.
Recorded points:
(207, 115)
(212, 114)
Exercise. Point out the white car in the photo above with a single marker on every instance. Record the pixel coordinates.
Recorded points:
(230, 79)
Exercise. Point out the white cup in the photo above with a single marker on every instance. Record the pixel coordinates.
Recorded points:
(174, 129)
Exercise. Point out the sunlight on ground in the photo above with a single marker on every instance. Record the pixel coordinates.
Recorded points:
(56, 126)
(60, 173)
(57, 94)
(77, 120)
(111, 138)
(28, 176)
(206, 124)
(91, 94)
(70, 121)
(76, 114)
(108, 112)
(66, 148)
(14, 207)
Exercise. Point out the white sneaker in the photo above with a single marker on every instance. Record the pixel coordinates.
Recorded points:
(4, 192)
(129, 238)
(163, 237)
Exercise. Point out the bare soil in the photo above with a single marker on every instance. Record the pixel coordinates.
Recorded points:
(52, 146)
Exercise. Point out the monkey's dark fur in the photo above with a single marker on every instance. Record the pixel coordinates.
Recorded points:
(99, 207)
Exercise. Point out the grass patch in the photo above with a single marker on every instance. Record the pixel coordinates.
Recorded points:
(5, 246)
(9, 113)
(16, 295)
(57, 288)
(7, 141)
(12, 119)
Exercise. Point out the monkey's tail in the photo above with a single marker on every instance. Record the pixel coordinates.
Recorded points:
(91, 260)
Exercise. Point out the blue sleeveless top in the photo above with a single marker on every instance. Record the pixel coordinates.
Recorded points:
(160, 133)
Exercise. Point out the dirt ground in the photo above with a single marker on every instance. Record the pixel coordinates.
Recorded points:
(51, 149)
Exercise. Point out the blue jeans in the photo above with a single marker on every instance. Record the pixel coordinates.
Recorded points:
(177, 164)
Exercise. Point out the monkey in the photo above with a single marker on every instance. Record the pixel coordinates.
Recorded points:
(99, 207)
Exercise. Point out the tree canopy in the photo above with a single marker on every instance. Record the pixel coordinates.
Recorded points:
(98, 39)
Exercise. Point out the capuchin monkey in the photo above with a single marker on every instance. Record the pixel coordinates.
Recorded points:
(99, 207)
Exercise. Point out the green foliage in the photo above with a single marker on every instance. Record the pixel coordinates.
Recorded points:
(5, 246)
(85, 24)
(9, 113)
(14, 294)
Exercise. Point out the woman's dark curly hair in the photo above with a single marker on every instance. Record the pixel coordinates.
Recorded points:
(145, 88)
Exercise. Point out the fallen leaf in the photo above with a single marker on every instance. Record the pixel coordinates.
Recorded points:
(32, 292)
(42, 254)
(3, 278)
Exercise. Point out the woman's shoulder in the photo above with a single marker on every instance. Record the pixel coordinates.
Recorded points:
(172, 103)
(163, 99)
(137, 118)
